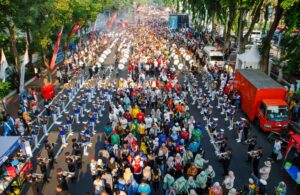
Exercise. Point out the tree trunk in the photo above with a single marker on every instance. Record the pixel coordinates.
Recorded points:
(15, 54)
(29, 48)
(213, 27)
(46, 64)
(267, 41)
(240, 29)
(232, 15)
(255, 18)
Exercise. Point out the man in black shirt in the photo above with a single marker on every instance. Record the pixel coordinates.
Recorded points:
(43, 167)
(71, 165)
(255, 160)
(77, 151)
(50, 151)
(251, 145)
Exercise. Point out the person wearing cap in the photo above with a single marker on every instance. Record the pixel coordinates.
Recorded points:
(264, 172)
(62, 133)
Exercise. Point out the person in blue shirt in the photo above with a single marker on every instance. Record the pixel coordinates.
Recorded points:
(62, 133)
(6, 128)
(34, 134)
(144, 187)
(69, 121)
(92, 121)
(194, 146)
(11, 123)
(108, 130)
(76, 109)
(162, 139)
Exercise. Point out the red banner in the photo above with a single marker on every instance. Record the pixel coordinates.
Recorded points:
(52, 64)
(75, 29)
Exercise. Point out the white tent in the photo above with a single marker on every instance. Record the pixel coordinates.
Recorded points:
(248, 59)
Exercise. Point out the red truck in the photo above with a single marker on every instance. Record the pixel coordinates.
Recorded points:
(262, 99)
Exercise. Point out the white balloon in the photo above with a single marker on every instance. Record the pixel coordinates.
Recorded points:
(176, 62)
(188, 57)
(121, 66)
(101, 60)
(180, 66)
(176, 57)
(191, 61)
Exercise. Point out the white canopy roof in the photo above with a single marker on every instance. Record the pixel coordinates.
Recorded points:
(247, 59)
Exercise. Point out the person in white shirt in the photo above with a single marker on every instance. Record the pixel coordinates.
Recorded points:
(148, 122)
(123, 122)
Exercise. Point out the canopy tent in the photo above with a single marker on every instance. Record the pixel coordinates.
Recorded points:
(8, 145)
(294, 142)
(247, 59)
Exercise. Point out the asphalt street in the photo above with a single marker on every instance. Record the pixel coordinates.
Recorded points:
(239, 166)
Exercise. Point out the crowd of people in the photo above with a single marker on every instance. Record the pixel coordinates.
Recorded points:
(153, 144)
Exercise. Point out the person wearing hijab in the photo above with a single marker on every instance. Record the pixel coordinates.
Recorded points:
(199, 162)
(229, 181)
(216, 189)
(180, 185)
(210, 175)
(265, 171)
(201, 181)
(168, 183)
(192, 170)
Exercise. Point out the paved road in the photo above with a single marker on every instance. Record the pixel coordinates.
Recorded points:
(241, 168)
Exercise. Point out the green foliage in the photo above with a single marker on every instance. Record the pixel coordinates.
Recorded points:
(4, 89)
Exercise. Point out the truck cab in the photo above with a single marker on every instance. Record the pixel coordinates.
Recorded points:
(272, 115)
(213, 57)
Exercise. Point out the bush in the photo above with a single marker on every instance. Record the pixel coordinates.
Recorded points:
(4, 89)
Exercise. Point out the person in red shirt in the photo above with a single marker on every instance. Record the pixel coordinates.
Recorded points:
(168, 87)
(140, 116)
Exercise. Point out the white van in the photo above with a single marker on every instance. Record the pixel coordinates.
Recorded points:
(214, 56)
(256, 36)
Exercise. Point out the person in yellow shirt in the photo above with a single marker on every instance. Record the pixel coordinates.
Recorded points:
(135, 110)
(142, 128)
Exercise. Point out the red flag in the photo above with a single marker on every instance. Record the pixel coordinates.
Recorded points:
(52, 64)
(75, 29)
(113, 18)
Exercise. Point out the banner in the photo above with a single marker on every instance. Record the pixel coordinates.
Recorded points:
(22, 78)
(75, 29)
(3, 65)
(52, 64)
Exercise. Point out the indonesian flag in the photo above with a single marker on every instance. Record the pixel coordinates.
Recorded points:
(52, 64)
(3, 65)
(75, 29)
